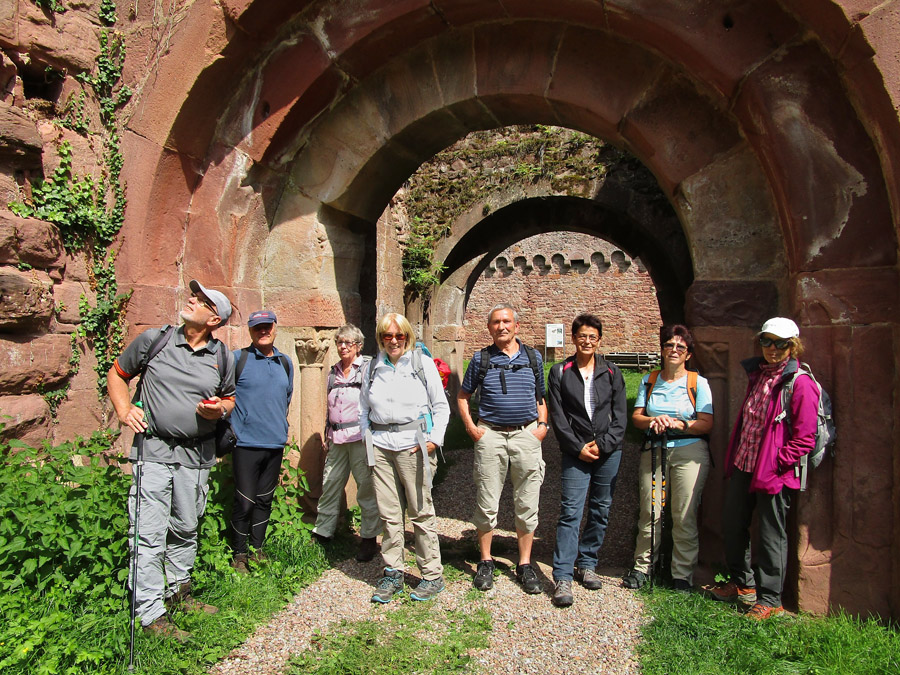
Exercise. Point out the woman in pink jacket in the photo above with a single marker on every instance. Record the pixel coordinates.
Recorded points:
(760, 467)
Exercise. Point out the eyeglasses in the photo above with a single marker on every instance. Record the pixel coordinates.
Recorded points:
(779, 344)
(205, 303)
(399, 337)
(346, 343)
(593, 339)
(677, 348)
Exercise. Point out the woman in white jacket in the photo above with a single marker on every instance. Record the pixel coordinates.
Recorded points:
(403, 413)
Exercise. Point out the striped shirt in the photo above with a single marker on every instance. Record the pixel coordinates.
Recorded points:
(519, 405)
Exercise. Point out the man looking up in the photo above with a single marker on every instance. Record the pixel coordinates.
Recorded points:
(186, 386)
(508, 435)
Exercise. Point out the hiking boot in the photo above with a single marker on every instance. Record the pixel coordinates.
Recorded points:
(761, 612)
(562, 595)
(388, 586)
(239, 564)
(484, 576)
(528, 579)
(731, 592)
(682, 586)
(427, 589)
(164, 627)
(588, 578)
(367, 549)
(188, 602)
(634, 579)
(321, 539)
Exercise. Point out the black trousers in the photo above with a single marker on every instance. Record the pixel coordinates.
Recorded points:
(771, 558)
(256, 472)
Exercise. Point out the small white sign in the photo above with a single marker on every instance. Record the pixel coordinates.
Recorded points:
(555, 335)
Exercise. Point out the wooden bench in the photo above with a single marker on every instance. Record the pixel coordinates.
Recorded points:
(641, 360)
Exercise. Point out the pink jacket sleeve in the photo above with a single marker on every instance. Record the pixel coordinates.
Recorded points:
(804, 421)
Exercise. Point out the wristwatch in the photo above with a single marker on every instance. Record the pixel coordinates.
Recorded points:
(544, 423)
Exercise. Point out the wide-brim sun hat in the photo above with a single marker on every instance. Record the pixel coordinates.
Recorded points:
(780, 327)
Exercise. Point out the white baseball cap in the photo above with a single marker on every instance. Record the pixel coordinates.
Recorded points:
(223, 305)
(780, 327)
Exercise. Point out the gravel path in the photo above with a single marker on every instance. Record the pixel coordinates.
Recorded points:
(596, 635)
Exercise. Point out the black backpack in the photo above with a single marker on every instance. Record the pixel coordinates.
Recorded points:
(486, 365)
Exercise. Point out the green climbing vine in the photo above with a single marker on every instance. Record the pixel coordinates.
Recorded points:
(88, 212)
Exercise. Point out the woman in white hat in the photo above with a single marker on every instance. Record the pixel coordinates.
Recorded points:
(760, 467)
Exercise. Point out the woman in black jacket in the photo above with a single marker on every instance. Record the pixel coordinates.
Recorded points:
(588, 410)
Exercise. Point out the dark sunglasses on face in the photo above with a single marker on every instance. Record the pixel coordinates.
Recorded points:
(672, 347)
(399, 337)
(205, 303)
(779, 344)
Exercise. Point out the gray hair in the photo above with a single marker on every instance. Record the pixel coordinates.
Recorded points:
(503, 305)
(350, 332)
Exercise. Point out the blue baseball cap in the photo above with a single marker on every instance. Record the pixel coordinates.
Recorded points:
(262, 316)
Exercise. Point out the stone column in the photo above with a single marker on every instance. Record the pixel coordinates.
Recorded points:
(311, 346)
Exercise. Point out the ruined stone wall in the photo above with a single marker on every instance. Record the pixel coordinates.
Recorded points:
(551, 278)
(48, 386)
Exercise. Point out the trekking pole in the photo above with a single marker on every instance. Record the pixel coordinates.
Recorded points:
(652, 510)
(663, 495)
(138, 471)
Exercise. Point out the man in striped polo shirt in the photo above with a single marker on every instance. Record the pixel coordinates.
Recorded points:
(512, 423)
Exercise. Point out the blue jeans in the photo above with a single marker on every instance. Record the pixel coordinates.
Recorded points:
(595, 481)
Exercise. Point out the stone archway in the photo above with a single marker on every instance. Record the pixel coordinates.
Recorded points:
(770, 127)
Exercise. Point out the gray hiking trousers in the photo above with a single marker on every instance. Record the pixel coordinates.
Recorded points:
(173, 498)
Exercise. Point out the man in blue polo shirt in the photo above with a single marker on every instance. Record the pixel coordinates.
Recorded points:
(264, 384)
(508, 435)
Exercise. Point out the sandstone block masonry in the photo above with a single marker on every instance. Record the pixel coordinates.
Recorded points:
(553, 277)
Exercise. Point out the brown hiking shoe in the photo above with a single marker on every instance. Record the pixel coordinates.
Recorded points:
(164, 627)
(731, 592)
(188, 602)
(239, 564)
(367, 549)
(762, 612)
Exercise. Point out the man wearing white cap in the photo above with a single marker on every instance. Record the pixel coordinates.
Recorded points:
(186, 385)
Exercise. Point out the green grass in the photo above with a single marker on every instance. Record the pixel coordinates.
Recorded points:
(692, 635)
(416, 637)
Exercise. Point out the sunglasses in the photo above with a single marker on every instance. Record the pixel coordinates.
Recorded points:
(779, 344)
(672, 347)
(205, 303)
(399, 337)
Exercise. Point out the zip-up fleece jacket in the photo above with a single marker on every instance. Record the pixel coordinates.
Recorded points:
(571, 424)
(782, 445)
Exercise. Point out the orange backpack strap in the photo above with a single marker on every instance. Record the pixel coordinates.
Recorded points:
(651, 382)
(692, 387)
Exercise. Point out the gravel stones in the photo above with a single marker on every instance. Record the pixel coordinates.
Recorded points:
(597, 634)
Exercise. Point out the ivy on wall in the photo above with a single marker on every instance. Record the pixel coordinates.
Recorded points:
(90, 213)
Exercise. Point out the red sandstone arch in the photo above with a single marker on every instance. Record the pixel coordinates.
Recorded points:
(773, 124)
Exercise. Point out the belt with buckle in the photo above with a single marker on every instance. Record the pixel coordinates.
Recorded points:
(507, 427)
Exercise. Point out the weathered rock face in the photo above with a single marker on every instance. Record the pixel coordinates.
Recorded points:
(26, 300)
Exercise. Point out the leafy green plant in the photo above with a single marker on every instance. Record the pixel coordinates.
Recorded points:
(64, 565)
(420, 272)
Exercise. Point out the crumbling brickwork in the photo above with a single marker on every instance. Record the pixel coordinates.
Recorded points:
(551, 278)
